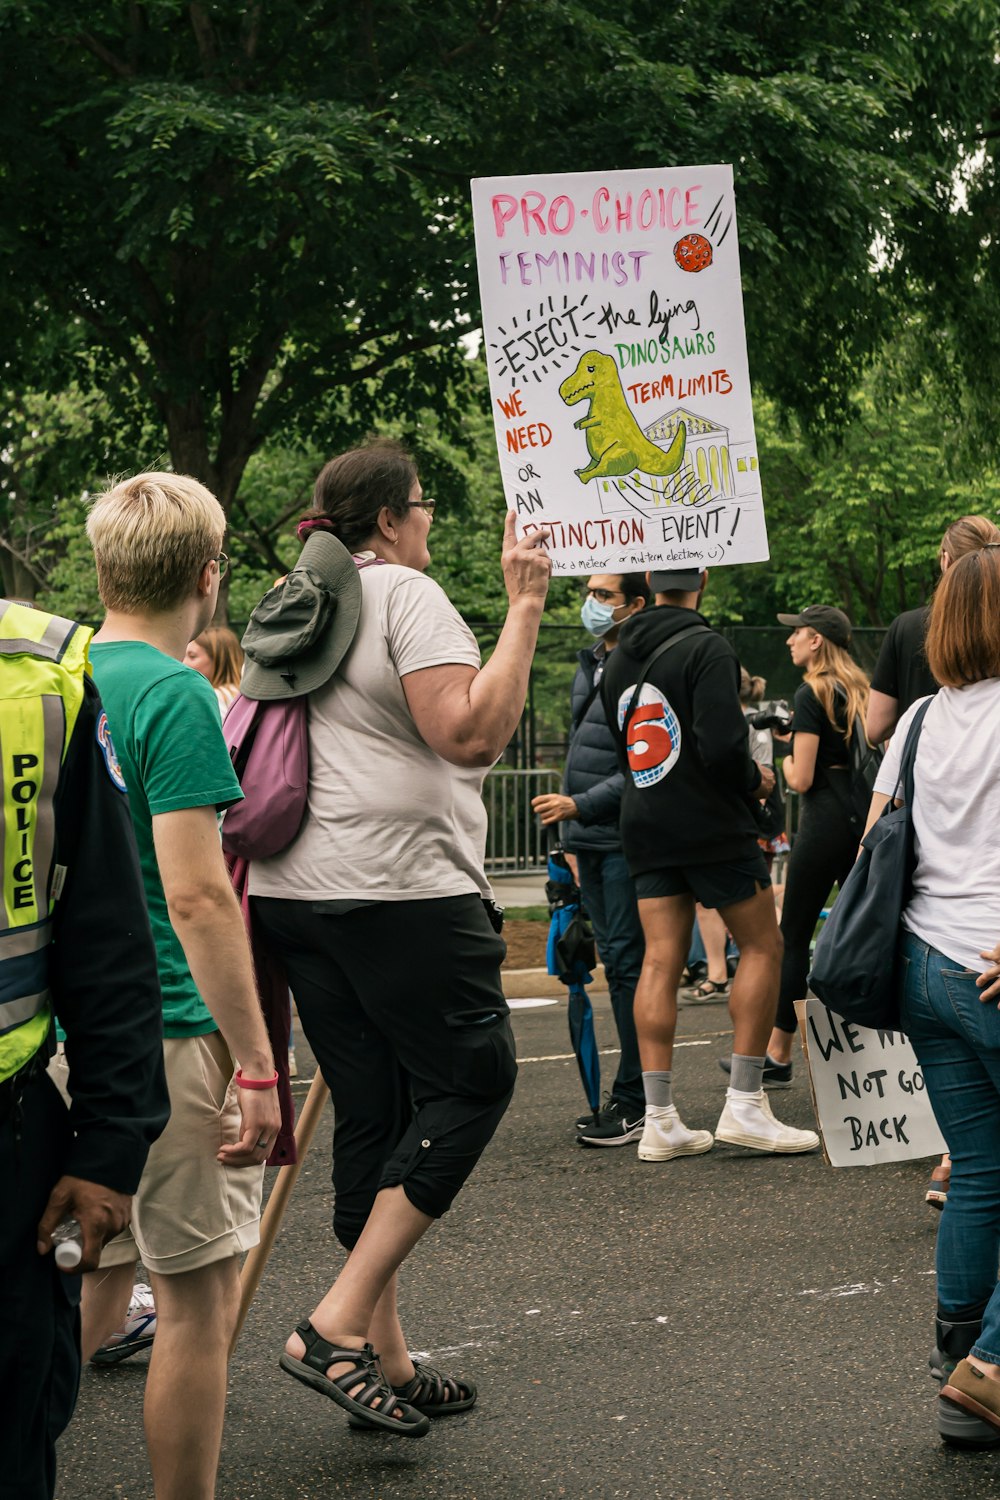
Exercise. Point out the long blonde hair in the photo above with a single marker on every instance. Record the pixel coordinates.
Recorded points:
(833, 667)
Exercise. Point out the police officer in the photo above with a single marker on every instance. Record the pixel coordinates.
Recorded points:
(74, 939)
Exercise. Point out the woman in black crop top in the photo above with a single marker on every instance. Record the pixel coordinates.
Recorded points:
(833, 694)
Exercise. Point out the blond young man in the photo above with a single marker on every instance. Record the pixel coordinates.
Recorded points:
(157, 543)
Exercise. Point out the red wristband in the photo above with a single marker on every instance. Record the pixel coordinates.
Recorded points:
(256, 1083)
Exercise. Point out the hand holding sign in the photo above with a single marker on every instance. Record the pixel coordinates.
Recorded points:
(527, 566)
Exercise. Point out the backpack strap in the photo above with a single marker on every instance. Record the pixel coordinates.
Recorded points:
(622, 729)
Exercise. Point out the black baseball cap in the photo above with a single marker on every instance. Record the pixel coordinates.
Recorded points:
(679, 581)
(825, 619)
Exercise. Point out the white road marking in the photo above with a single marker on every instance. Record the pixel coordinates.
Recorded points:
(534, 1003)
(856, 1288)
(602, 1052)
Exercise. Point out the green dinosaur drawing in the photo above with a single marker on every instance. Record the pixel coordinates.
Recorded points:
(615, 441)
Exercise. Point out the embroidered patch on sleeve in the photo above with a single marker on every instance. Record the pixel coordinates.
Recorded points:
(108, 751)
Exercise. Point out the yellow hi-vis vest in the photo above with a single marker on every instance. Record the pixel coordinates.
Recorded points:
(43, 660)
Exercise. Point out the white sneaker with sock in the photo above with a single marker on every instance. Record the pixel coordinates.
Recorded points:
(664, 1135)
(746, 1120)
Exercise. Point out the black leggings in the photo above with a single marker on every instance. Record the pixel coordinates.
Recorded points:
(402, 1005)
(823, 853)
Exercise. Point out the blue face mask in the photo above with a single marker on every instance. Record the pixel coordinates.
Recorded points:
(597, 618)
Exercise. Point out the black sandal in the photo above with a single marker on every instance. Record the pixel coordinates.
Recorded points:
(366, 1371)
(432, 1393)
(707, 989)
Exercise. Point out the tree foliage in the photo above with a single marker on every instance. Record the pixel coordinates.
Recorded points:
(257, 209)
(857, 524)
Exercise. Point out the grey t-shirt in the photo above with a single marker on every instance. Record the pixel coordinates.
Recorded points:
(388, 819)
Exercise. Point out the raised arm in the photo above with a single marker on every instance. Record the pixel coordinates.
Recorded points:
(468, 717)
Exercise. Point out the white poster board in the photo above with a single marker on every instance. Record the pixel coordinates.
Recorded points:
(868, 1090)
(613, 320)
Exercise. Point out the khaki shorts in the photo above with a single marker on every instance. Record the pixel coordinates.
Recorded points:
(189, 1210)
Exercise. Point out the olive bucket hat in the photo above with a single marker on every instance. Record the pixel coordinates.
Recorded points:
(301, 630)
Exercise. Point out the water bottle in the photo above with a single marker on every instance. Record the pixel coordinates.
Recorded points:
(68, 1240)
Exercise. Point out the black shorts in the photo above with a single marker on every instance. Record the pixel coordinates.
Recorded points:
(724, 884)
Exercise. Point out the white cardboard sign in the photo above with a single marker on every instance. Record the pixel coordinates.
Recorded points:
(868, 1090)
(613, 319)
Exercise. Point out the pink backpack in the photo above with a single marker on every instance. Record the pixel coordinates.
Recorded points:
(268, 744)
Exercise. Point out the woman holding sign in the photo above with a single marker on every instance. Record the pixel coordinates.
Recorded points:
(380, 908)
(950, 949)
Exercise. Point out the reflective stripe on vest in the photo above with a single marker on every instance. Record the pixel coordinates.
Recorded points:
(43, 660)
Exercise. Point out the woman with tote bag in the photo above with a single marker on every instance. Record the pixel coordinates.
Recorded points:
(950, 983)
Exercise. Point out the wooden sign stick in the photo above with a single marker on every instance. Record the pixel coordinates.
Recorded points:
(256, 1261)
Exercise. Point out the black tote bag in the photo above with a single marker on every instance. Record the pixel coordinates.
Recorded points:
(854, 965)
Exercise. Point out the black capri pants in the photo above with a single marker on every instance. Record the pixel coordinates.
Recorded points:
(402, 1005)
(823, 852)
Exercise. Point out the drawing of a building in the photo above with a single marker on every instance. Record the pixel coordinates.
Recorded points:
(706, 455)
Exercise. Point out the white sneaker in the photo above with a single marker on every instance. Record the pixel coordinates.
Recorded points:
(664, 1135)
(746, 1120)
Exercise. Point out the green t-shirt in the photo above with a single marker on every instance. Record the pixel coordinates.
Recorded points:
(164, 720)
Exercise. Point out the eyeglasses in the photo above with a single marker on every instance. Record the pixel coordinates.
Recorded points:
(605, 596)
(425, 504)
(223, 562)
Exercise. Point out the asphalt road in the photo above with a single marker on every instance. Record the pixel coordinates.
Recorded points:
(731, 1325)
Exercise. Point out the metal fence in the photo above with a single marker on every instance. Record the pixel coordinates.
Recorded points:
(516, 841)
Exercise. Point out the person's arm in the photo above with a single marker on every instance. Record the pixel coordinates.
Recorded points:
(468, 717)
(887, 779)
(209, 926)
(106, 992)
(800, 766)
(875, 809)
(883, 711)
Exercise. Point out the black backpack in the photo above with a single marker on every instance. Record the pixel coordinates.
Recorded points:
(863, 767)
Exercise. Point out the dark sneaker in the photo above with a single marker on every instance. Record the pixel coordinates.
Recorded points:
(607, 1111)
(776, 1075)
(614, 1127)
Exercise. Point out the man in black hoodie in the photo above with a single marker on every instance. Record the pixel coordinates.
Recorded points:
(588, 809)
(689, 833)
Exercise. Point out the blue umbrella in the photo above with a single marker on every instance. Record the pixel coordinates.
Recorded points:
(571, 957)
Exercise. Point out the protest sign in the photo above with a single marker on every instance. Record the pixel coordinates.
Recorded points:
(868, 1091)
(613, 320)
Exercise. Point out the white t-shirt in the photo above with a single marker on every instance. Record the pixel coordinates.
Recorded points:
(955, 905)
(388, 819)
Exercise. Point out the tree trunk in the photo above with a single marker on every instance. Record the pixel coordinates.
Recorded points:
(187, 436)
(19, 583)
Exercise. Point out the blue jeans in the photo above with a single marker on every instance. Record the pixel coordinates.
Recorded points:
(609, 896)
(957, 1041)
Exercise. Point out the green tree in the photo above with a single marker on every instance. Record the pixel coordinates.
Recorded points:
(259, 212)
(857, 524)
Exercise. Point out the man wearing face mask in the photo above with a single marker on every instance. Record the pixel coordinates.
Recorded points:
(588, 810)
